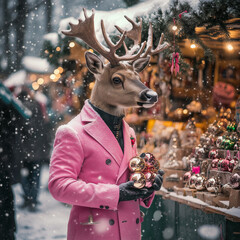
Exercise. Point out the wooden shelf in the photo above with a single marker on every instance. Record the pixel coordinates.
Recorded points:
(198, 204)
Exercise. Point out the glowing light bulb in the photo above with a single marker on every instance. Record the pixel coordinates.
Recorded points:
(193, 45)
(60, 69)
(71, 44)
(35, 86)
(40, 81)
(174, 27)
(229, 47)
(58, 49)
(56, 71)
(52, 76)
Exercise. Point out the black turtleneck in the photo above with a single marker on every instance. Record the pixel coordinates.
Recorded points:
(114, 123)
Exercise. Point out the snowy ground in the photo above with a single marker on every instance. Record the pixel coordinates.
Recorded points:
(49, 222)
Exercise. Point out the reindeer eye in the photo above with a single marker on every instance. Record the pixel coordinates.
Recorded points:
(117, 80)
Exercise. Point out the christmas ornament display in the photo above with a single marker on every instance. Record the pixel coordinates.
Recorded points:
(200, 183)
(143, 170)
(193, 180)
(213, 185)
(235, 181)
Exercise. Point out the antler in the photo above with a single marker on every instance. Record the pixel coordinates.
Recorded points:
(85, 30)
(160, 47)
(135, 35)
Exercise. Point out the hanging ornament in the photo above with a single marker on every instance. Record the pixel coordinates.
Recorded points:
(175, 63)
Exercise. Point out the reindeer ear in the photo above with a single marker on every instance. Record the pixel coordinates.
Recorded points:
(140, 64)
(94, 63)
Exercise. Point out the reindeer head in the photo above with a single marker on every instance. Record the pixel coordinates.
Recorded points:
(118, 84)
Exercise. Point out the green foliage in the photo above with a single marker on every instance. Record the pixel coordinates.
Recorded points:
(130, 3)
(209, 13)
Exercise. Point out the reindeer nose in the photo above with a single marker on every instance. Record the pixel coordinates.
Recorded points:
(148, 96)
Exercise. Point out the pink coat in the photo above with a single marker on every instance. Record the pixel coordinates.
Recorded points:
(87, 165)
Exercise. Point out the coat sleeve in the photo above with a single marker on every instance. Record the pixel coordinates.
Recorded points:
(143, 202)
(65, 166)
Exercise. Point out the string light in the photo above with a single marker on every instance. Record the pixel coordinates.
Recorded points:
(60, 69)
(52, 76)
(56, 71)
(174, 27)
(35, 86)
(193, 45)
(91, 85)
(58, 49)
(71, 44)
(90, 50)
(229, 47)
(40, 81)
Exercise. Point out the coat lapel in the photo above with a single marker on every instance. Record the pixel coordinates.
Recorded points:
(127, 151)
(98, 130)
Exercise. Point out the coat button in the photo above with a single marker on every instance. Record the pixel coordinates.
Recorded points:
(111, 222)
(108, 161)
(107, 207)
(101, 206)
(137, 221)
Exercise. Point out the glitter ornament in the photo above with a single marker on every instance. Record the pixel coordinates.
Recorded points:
(144, 169)
(200, 183)
(214, 164)
(212, 185)
(139, 179)
(223, 165)
(193, 180)
(235, 181)
(137, 164)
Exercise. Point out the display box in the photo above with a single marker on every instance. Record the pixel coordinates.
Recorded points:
(234, 198)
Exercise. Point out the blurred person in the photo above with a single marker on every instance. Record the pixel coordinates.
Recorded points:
(32, 150)
(11, 114)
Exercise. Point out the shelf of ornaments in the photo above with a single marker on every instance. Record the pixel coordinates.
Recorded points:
(216, 167)
(219, 180)
(215, 204)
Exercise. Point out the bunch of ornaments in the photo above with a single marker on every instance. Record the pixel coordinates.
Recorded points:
(222, 134)
(143, 170)
(194, 180)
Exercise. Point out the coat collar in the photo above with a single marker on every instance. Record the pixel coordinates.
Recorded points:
(97, 128)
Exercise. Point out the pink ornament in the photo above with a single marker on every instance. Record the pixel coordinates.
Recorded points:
(214, 164)
(223, 165)
(213, 154)
(175, 63)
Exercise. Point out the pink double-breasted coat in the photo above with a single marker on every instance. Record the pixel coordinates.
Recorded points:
(87, 165)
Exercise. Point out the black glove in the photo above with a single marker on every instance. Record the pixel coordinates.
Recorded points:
(128, 192)
(158, 180)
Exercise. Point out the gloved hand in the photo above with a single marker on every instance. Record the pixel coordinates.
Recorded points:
(128, 192)
(158, 180)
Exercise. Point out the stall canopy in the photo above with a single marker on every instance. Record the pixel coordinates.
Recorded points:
(117, 16)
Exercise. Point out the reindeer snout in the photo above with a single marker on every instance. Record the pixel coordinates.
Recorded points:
(148, 95)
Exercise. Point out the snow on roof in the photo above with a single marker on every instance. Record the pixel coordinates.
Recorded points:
(116, 16)
(36, 65)
(52, 38)
(16, 79)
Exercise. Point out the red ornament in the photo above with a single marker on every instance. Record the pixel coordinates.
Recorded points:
(223, 165)
(214, 164)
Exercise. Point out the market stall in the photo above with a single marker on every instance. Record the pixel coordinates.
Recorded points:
(193, 129)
